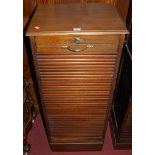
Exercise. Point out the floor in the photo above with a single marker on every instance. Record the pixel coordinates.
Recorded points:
(39, 144)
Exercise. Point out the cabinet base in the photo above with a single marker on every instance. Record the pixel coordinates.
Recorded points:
(75, 147)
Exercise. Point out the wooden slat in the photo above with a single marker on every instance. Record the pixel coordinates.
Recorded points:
(70, 56)
(74, 80)
(101, 69)
(75, 139)
(73, 121)
(50, 77)
(75, 93)
(76, 124)
(79, 100)
(77, 82)
(49, 73)
(75, 88)
(78, 132)
(75, 61)
(89, 51)
(71, 66)
(76, 109)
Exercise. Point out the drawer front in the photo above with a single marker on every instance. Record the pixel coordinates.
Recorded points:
(79, 49)
(77, 44)
(76, 39)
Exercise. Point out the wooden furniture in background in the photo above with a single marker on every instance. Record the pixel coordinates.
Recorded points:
(121, 5)
(29, 115)
(121, 113)
(26, 68)
(30, 102)
(76, 51)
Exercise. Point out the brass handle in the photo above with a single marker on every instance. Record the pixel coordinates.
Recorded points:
(77, 40)
(77, 50)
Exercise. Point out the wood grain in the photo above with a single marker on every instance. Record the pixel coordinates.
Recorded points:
(106, 19)
(76, 88)
(122, 7)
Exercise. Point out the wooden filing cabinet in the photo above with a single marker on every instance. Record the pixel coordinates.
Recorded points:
(76, 50)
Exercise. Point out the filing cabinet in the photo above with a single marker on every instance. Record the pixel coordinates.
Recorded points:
(76, 51)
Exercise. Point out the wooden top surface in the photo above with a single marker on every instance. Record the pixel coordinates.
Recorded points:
(62, 19)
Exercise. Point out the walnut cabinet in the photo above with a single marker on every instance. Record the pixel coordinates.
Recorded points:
(76, 51)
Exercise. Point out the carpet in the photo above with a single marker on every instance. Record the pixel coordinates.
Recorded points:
(39, 144)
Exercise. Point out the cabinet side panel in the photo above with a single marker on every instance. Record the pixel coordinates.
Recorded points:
(42, 109)
(121, 41)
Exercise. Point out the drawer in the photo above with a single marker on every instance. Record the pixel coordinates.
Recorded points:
(45, 41)
(79, 49)
(77, 44)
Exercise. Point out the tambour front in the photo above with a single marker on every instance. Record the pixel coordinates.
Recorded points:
(76, 50)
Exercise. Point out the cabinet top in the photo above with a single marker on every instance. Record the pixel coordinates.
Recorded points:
(63, 19)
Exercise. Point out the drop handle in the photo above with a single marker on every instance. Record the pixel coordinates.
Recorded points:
(78, 49)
